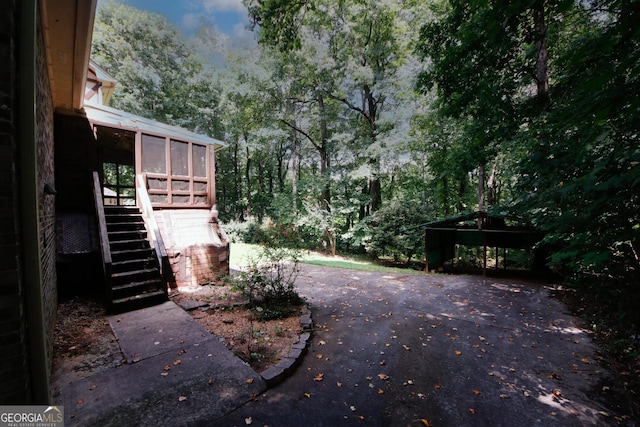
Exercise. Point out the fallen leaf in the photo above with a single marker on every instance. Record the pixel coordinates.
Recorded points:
(380, 391)
(164, 374)
(210, 382)
(248, 421)
(339, 384)
(405, 347)
(476, 392)
(307, 395)
(182, 351)
(92, 387)
(321, 342)
(80, 401)
(504, 396)
(182, 398)
(177, 362)
(425, 422)
(249, 380)
(383, 376)
(318, 356)
(457, 352)
(437, 386)
(383, 363)
(353, 408)
(473, 411)
(167, 368)
(319, 377)
(585, 360)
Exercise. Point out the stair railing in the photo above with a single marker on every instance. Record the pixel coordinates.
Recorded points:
(105, 250)
(155, 237)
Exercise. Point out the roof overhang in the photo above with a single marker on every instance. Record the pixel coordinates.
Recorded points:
(111, 117)
(68, 29)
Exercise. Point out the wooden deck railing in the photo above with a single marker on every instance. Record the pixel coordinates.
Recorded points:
(105, 250)
(155, 237)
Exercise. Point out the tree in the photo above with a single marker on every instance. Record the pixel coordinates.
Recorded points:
(580, 177)
(396, 231)
(485, 57)
(158, 75)
(362, 56)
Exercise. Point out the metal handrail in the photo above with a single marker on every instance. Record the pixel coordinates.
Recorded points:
(105, 249)
(144, 202)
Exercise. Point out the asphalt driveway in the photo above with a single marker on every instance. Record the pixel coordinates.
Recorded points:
(436, 350)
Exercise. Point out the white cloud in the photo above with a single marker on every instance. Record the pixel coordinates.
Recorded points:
(190, 20)
(211, 6)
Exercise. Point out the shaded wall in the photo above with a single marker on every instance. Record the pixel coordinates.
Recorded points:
(18, 384)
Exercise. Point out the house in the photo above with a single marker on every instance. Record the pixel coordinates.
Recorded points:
(69, 163)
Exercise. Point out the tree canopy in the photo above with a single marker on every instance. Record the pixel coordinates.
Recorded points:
(350, 108)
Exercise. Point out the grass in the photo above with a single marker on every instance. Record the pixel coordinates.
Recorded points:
(242, 253)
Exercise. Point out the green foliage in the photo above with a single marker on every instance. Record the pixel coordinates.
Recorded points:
(395, 231)
(269, 283)
(572, 148)
(158, 74)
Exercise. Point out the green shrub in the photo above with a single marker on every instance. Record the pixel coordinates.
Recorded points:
(269, 283)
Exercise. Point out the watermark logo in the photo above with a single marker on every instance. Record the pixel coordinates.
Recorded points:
(31, 416)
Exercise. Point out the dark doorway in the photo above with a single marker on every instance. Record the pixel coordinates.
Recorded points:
(117, 148)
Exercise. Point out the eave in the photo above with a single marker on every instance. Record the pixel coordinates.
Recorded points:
(68, 29)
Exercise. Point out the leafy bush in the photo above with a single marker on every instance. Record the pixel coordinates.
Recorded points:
(394, 230)
(240, 231)
(269, 283)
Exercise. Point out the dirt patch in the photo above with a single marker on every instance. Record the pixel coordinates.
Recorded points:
(224, 313)
(83, 344)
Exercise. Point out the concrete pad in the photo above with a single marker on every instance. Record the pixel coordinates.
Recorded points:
(197, 381)
(155, 330)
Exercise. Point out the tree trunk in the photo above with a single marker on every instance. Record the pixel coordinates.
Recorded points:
(542, 72)
(493, 186)
(370, 121)
(247, 176)
(481, 195)
(324, 158)
(238, 214)
(294, 169)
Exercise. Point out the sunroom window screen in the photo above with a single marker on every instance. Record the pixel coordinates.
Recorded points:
(176, 171)
(154, 154)
(179, 158)
(199, 160)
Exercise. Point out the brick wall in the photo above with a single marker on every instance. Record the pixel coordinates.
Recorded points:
(46, 203)
(198, 250)
(14, 373)
(14, 353)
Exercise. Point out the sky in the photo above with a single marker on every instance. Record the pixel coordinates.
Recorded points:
(229, 16)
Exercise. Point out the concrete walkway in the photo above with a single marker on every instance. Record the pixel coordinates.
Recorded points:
(178, 374)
